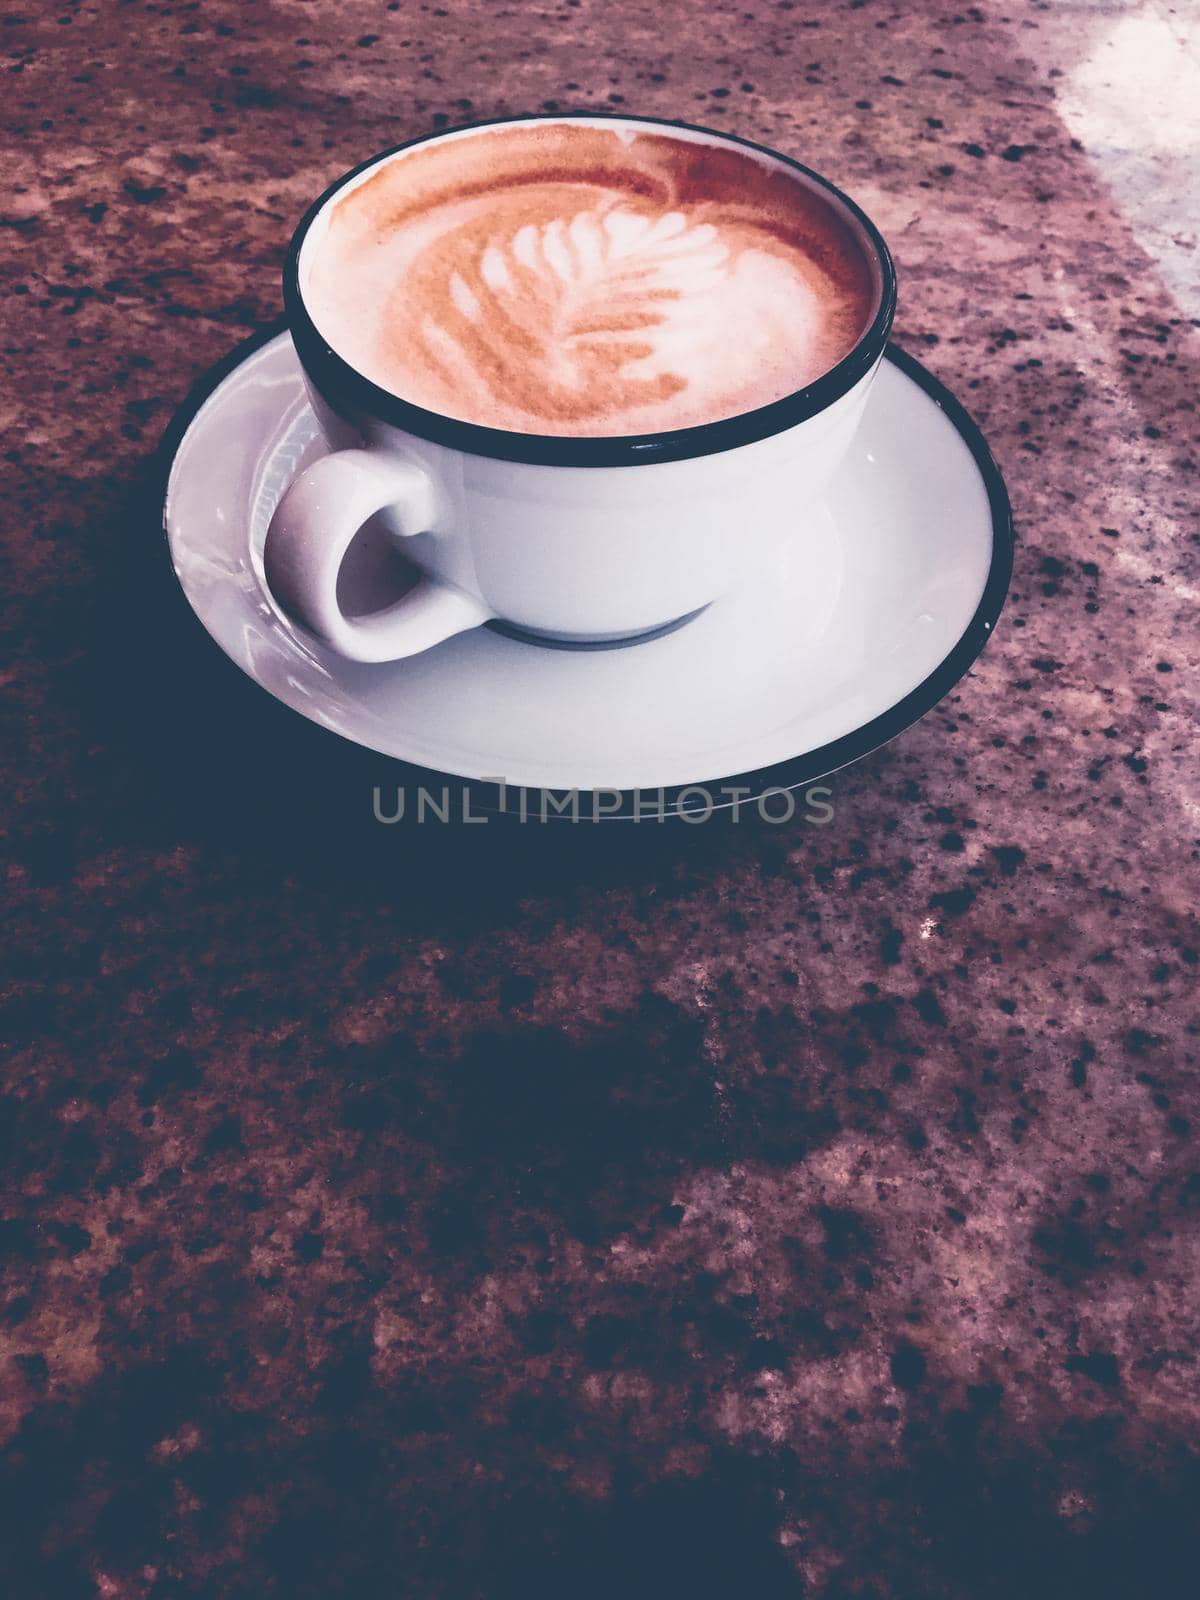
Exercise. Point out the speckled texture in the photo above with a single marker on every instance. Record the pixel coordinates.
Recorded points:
(807, 1212)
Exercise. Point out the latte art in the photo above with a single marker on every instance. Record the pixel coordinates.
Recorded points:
(574, 279)
(590, 320)
(591, 296)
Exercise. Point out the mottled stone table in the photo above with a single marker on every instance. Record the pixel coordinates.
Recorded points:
(725, 1211)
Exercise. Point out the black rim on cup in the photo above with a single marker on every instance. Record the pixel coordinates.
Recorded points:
(349, 392)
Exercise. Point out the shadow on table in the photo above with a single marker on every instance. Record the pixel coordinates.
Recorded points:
(201, 754)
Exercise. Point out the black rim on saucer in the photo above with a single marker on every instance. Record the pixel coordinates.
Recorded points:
(349, 392)
(679, 802)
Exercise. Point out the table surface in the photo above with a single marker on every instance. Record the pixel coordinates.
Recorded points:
(799, 1211)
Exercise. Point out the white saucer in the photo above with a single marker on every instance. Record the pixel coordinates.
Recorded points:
(890, 595)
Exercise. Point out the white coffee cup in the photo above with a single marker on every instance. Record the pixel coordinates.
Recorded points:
(572, 539)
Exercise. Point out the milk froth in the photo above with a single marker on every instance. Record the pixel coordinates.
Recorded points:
(582, 279)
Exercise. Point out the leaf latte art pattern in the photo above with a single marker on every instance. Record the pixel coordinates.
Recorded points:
(564, 316)
(577, 280)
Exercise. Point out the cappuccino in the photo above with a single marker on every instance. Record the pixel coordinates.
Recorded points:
(579, 278)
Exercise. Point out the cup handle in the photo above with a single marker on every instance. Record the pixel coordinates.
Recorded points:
(310, 532)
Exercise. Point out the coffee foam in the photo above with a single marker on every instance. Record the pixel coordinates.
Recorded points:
(566, 278)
